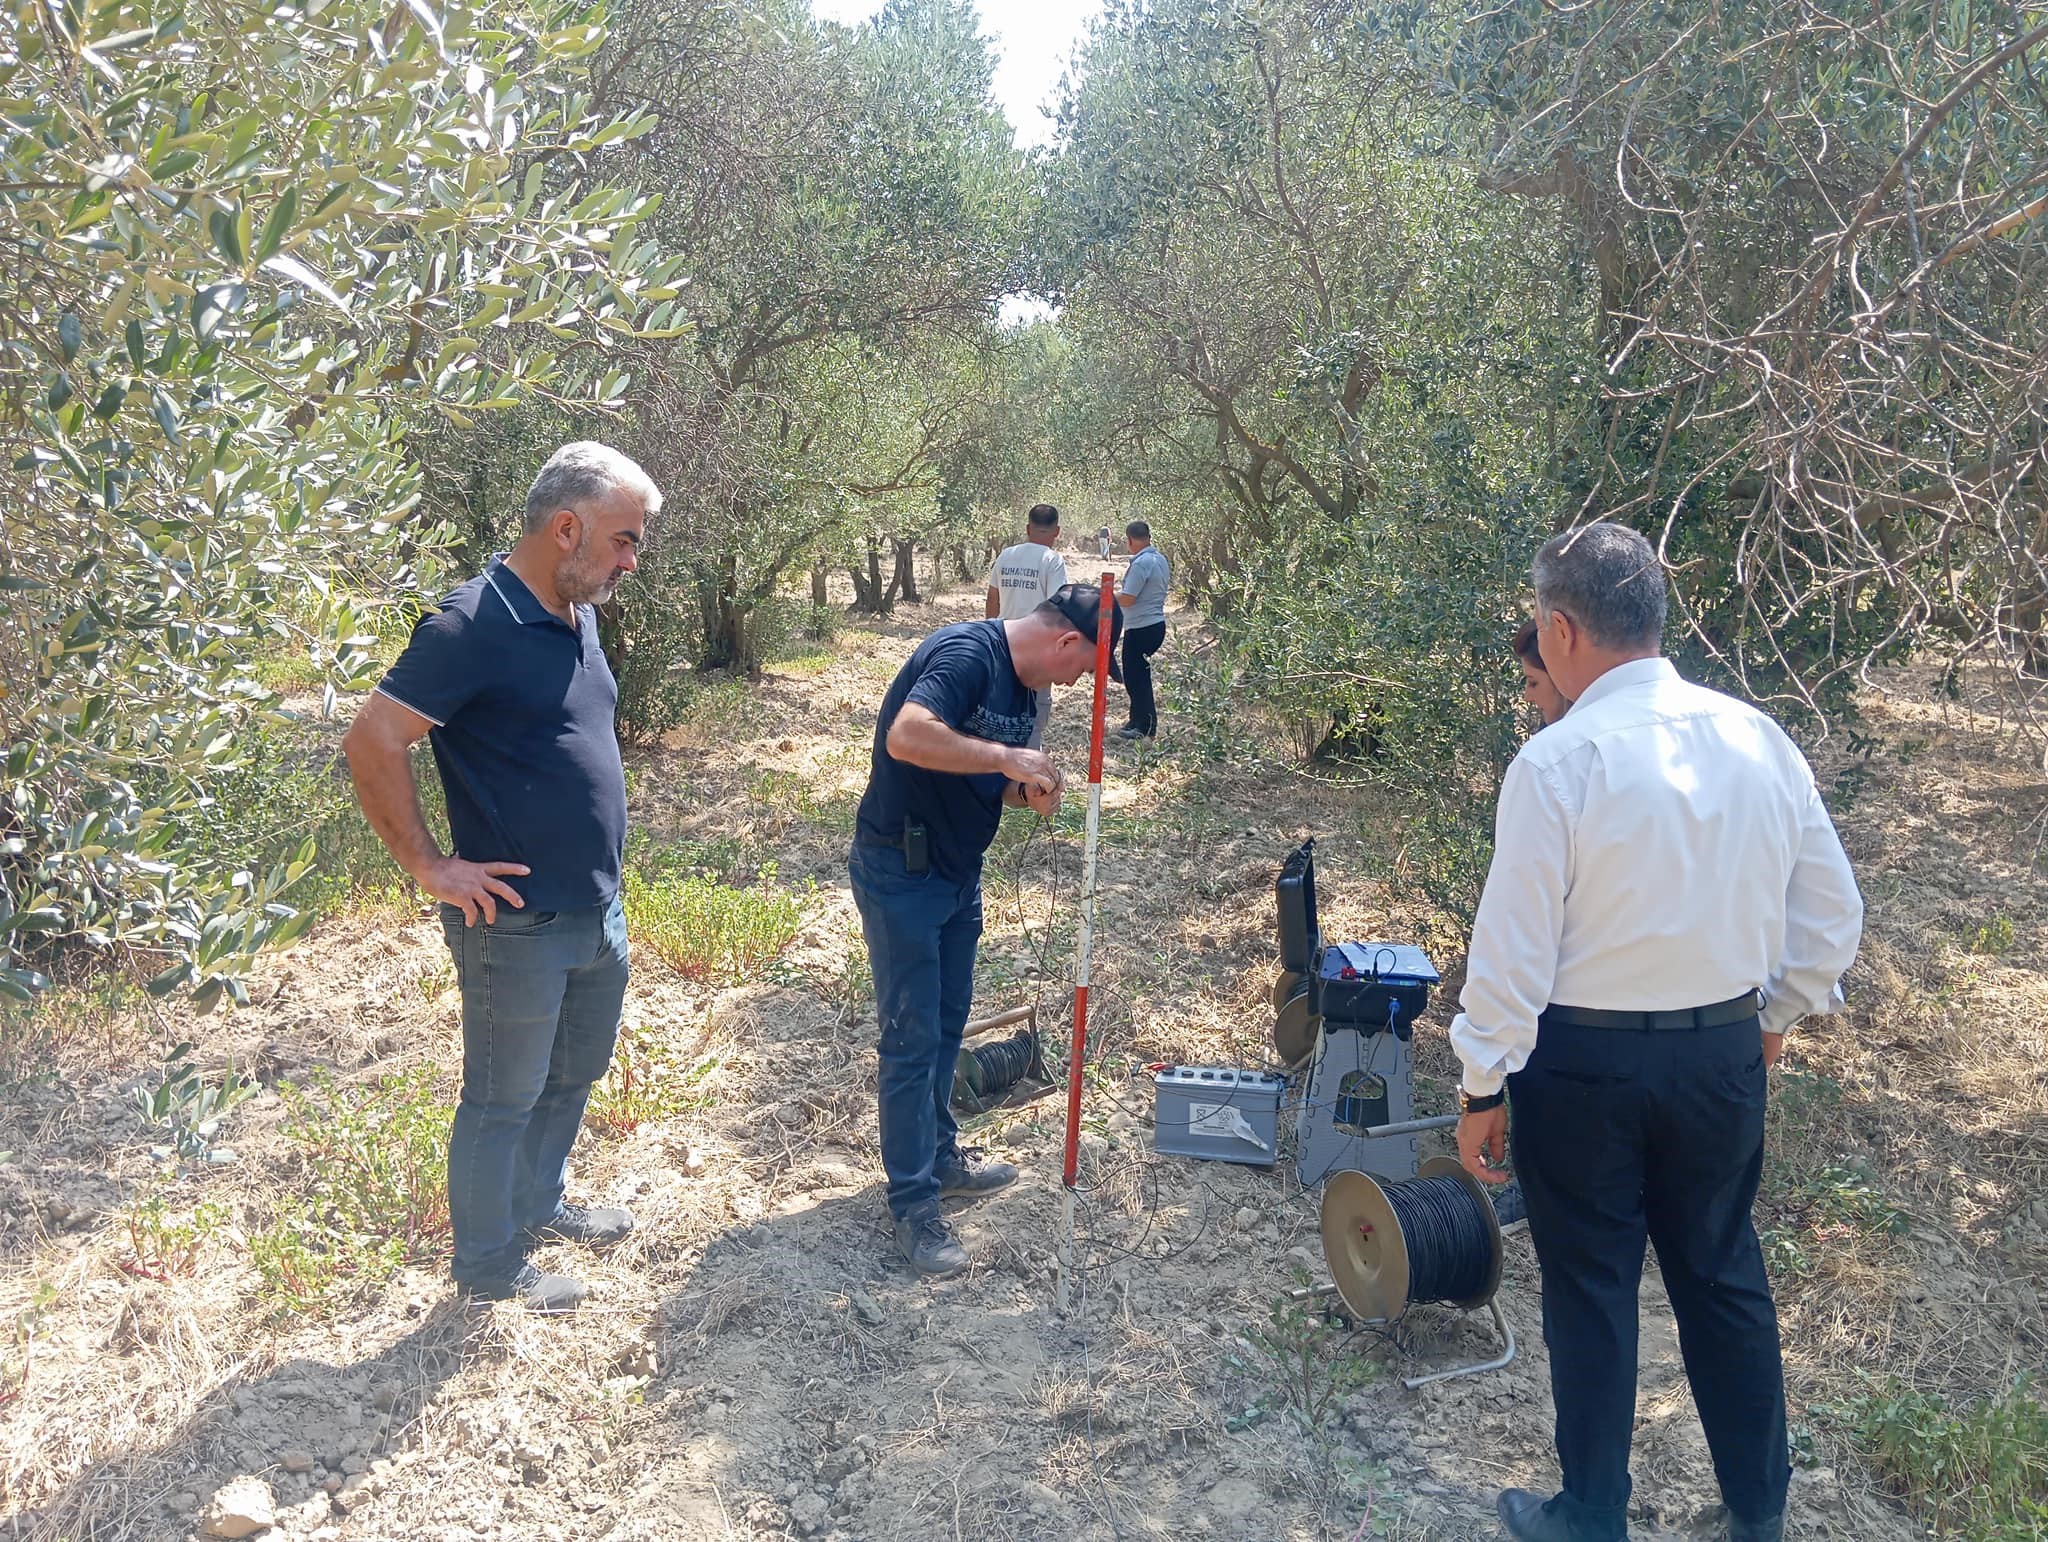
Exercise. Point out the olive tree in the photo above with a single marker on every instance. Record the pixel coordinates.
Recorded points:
(1820, 231)
(247, 251)
(852, 203)
(1319, 352)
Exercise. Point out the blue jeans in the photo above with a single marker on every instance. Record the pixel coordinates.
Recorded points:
(921, 932)
(541, 992)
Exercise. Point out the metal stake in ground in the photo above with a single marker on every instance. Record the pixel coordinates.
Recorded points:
(1072, 1171)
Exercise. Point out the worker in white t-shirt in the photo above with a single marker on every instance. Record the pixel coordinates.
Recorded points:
(1024, 575)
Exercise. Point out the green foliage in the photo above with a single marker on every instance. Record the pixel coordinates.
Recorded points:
(22, 1341)
(1805, 276)
(852, 202)
(1978, 1473)
(163, 1242)
(1310, 1360)
(255, 249)
(375, 1163)
(1996, 936)
(1816, 1212)
(850, 987)
(705, 929)
(36, 1036)
(1327, 361)
(1371, 1486)
(647, 1081)
(189, 1108)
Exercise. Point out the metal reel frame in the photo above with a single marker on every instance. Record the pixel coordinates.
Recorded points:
(1367, 1256)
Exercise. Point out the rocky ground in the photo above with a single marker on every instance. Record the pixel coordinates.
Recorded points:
(755, 1363)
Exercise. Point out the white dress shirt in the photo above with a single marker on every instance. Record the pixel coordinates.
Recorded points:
(1660, 846)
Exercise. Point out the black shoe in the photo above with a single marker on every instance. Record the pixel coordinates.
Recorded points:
(549, 1295)
(1532, 1518)
(969, 1176)
(576, 1223)
(921, 1237)
(1772, 1530)
(591, 1228)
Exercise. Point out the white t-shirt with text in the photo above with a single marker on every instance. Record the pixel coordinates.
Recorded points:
(1024, 574)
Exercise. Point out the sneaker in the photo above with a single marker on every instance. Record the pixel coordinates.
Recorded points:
(548, 1295)
(969, 1175)
(1772, 1530)
(1129, 731)
(921, 1237)
(580, 1224)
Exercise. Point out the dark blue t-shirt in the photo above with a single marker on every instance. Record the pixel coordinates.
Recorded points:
(963, 675)
(523, 708)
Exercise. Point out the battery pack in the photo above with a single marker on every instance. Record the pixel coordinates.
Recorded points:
(1218, 1113)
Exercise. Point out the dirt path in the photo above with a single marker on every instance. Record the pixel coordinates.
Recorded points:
(755, 1363)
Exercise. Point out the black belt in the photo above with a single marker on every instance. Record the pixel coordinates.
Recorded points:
(1735, 1009)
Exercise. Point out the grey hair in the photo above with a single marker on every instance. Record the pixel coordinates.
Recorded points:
(1607, 578)
(582, 472)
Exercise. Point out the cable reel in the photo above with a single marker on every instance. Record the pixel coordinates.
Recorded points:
(1431, 1238)
(1294, 1025)
(1000, 1072)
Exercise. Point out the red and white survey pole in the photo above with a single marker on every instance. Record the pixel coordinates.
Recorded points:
(1072, 1172)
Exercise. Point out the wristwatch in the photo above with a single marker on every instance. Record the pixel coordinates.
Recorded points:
(1468, 1104)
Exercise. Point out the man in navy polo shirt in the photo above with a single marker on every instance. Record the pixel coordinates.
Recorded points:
(508, 683)
(952, 750)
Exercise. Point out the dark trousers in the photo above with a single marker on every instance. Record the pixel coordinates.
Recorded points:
(1140, 643)
(1621, 1136)
(541, 992)
(922, 931)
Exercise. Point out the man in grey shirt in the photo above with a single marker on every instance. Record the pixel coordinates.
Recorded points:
(1143, 598)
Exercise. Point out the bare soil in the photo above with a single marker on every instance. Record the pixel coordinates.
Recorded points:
(756, 1363)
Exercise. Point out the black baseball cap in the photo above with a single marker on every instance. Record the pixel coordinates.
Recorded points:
(1081, 606)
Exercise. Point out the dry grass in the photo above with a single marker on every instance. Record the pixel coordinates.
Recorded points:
(752, 1338)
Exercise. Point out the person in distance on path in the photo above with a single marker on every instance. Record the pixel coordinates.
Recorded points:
(1143, 596)
(508, 682)
(1024, 575)
(1667, 898)
(952, 750)
(1538, 689)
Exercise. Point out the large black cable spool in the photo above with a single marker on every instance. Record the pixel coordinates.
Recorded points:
(1391, 1246)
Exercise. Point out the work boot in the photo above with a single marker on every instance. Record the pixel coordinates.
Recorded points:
(1531, 1518)
(1772, 1530)
(548, 1295)
(969, 1175)
(581, 1224)
(921, 1237)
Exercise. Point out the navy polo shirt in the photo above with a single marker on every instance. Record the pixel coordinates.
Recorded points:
(964, 675)
(523, 708)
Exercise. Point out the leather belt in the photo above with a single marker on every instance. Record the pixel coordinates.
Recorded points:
(1735, 1009)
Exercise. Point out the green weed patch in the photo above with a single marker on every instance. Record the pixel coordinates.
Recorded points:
(376, 1164)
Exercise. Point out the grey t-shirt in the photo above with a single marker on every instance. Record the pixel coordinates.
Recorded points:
(1145, 581)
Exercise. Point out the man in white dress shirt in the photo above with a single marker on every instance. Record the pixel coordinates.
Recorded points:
(1023, 576)
(1667, 897)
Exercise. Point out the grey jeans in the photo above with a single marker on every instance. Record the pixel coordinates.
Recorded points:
(541, 993)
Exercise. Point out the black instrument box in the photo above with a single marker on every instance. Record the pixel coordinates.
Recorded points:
(1370, 986)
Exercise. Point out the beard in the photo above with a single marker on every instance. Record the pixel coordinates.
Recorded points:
(584, 580)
